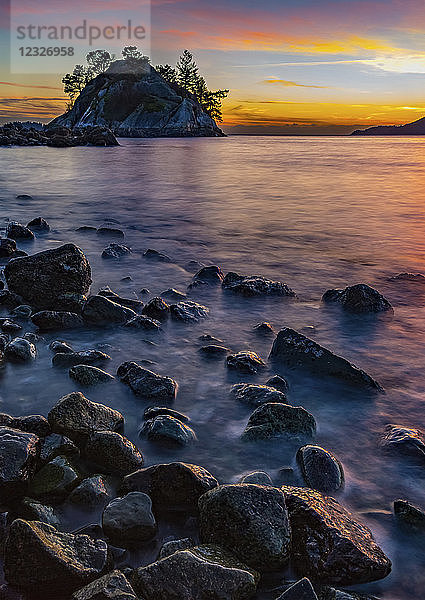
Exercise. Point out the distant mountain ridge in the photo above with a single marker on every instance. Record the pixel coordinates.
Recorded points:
(138, 103)
(415, 128)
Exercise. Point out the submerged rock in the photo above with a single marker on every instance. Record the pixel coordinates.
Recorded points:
(320, 468)
(19, 452)
(109, 231)
(328, 544)
(87, 375)
(173, 486)
(113, 453)
(41, 278)
(279, 383)
(301, 590)
(143, 322)
(257, 477)
(188, 311)
(156, 255)
(55, 480)
(157, 309)
(16, 231)
(295, 349)
(409, 514)
(7, 247)
(255, 395)
(168, 430)
(113, 586)
(37, 556)
(250, 521)
(155, 411)
(20, 350)
(116, 251)
(129, 521)
(245, 362)
(416, 277)
(360, 298)
(146, 383)
(77, 417)
(214, 351)
(196, 574)
(99, 310)
(274, 419)
(252, 285)
(50, 319)
(90, 493)
(132, 303)
(39, 224)
(404, 440)
(173, 295)
(264, 328)
(211, 275)
(84, 357)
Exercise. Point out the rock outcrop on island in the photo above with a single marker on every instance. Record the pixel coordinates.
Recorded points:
(415, 128)
(138, 103)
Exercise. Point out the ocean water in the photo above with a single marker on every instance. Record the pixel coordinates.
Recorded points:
(316, 213)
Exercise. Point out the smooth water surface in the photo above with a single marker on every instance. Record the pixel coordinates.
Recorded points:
(316, 213)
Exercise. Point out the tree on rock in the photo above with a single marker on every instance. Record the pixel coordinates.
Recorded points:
(99, 61)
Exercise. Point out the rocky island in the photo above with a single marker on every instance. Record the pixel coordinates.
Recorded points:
(415, 128)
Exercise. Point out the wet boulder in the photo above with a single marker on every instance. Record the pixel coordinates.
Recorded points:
(320, 468)
(301, 590)
(264, 328)
(88, 375)
(19, 452)
(196, 574)
(245, 362)
(255, 395)
(116, 251)
(20, 350)
(37, 556)
(211, 275)
(32, 424)
(84, 357)
(214, 351)
(33, 510)
(57, 445)
(16, 231)
(77, 417)
(10, 300)
(129, 521)
(7, 248)
(113, 453)
(251, 521)
(279, 383)
(404, 440)
(295, 349)
(328, 544)
(173, 295)
(99, 310)
(39, 225)
(168, 430)
(415, 277)
(52, 319)
(41, 278)
(257, 477)
(275, 419)
(156, 255)
(409, 514)
(71, 303)
(54, 481)
(188, 311)
(109, 231)
(147, 384)
(360, 298)
(252, 285)
(157, 309)
(132, 303)
(155, 411)
(113, 586)
(144, 323)
(173, 486)
(91, 492)
(168, 548)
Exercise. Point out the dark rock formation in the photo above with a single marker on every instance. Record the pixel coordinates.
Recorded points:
(39, 224)
(84, 357)
(99, 310)
(320, 468)
(168, 548)
(113, 586)
(37, 556)
(17, 231)
(138, 104)
(279, 383)
(18, 460)
(409, 514)
(415, 128)
(157, 309)
(54, 481)
(257, 477)
(301, 590)
(129, 521)
(143, 322)
(20, 350)
(132, 303)
(253, 285)
(168, 430)
(360, 298)
(115, 251)
(88, 375)
(147, 384)
(274, 419)
(328, 544)
(51, 319)
(41, 278)
(14, 134)
(404, 440)
(154, 411)
(7, 247)
(245, 362)
(250, 521)
(188, 311)
(295, 349)
(254, 395)
(90, 492)
(195, 574)
(214, 351)
(113, 453)
(173, 486)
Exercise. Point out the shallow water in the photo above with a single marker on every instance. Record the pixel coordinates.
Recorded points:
(315, 213)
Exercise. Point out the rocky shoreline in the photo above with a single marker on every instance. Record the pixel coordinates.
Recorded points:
(17, 134)
(78, 456)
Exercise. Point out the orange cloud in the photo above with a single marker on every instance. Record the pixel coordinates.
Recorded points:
(26, 85)
(286, 83)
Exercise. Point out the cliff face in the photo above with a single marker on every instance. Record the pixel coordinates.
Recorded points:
(415, 128)
(138, 104)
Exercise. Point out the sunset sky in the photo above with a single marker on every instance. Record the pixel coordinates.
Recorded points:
(292, 66)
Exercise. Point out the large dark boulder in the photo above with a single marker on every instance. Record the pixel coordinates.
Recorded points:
(83, 357)
(168, 430)
(146, 383)
(78, 418)
(38, 557)
(320, 468)
(199, 573)
(113, 586)
(328, 544)
(409, 514)
(7, 247)
(253, 285)
(295, 349)
(113, 453)
(360, 298)
(251, 521)
(19, 452)
(99, 310)
(274, 419)
(255, 395)
(52, 319)
(173, 486)
(404, 440)
(129, 521)
(41, 278)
